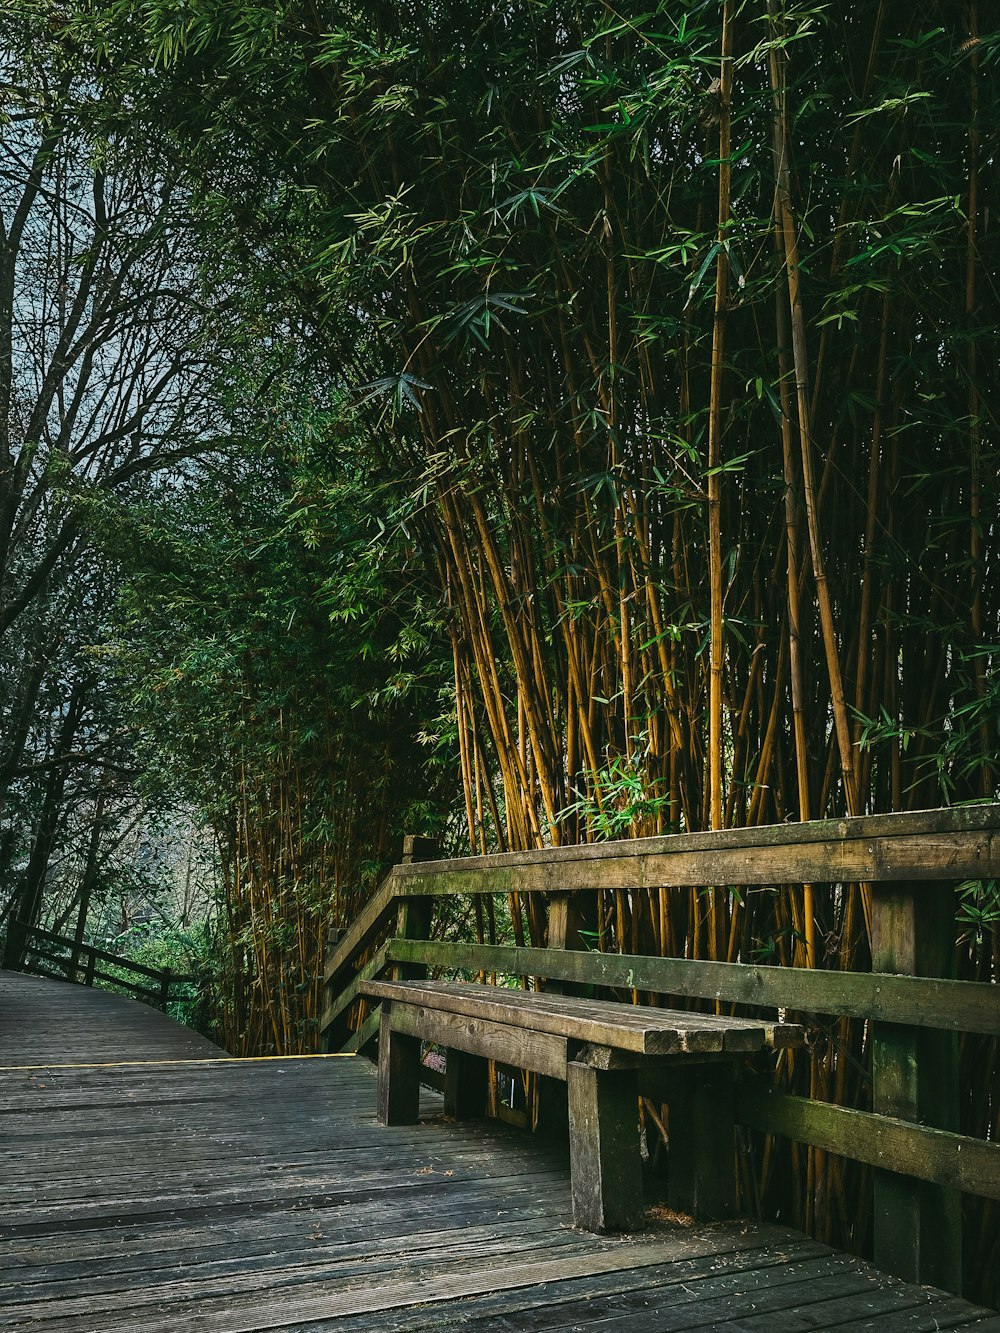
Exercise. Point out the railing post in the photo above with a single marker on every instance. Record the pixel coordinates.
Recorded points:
(413, 917)
(88, 978)
(164, 988)
(16, 945)
(568, 923)
(328, 1040)
(565, 923)
(918, 1226)
(334, 934)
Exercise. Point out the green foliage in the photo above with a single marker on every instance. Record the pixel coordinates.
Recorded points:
(283, 672)
(979, 907)
(502, 223)
(107, 354)
(188, 953)
(619, 798)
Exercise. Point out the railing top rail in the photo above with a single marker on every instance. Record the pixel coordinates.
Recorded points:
(372, 918)
(92, 951)
(958, 843)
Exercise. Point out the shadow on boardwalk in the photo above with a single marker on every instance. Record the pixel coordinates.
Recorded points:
(150, 1184)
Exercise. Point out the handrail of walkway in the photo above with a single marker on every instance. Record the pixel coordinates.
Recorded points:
(47, 954)
(907, 865)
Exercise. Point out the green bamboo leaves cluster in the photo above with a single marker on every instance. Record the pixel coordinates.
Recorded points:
(509, 224)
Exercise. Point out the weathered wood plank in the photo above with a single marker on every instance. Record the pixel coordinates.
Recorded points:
(242, 1278)
(940, 844)
(91, 951)
(116, 1260)
(953, 1160)
(61, 1022)
(353, 989)
(612, 1041)
(540, 1051)
(933, 1313)
(895, 1089)
(398, 1074)
(358, 1040)
(373, 918)
(640, 1028)
(835, 1301)
(918, 1226)
(192, 1196)
(605, 1164)
(330, 1300)
(966, 1006)
(413, 922)
(582, 1302)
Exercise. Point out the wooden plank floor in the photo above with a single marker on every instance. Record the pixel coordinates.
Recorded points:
(187, 1193)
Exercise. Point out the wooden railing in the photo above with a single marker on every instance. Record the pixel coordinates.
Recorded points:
(64, 959)
(907, 865)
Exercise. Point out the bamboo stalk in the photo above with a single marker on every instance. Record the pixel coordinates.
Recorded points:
(801, 362)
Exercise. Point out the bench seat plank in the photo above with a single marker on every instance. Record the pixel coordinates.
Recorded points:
(641, 1029)
(542, 1052)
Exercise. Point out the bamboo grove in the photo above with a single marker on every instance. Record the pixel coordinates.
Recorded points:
(677, 331)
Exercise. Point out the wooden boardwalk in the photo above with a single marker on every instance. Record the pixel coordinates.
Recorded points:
(150, 1184)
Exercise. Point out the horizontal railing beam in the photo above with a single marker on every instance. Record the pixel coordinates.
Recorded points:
(365, 1033)
(924, 845)
(963, 1006)
(134, 987)
(38, 951)
(87, 956)
(934, 1155)
(91, 951)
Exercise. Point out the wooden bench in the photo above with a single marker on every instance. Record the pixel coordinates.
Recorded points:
(607, 1054)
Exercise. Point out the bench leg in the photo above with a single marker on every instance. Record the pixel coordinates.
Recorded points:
(465, 1085)
(605, 1168)
(398, 1075)
(702, 1149)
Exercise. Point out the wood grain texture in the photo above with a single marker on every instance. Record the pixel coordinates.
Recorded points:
(965, 1006)
(963, 843)
(638, 1028)
(543, 1052)
(350, 993)
(373, 919)
(915, 1077)
(398, 1074)
(57, 1022)
(952, 1160)
(197, 1194)
(605, 1171)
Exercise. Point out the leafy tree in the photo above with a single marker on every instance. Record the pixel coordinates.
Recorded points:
(279, 658)
(106, 355)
